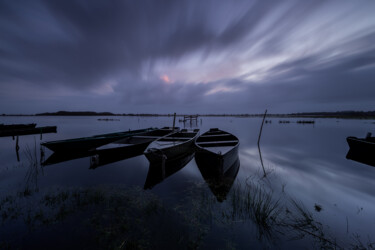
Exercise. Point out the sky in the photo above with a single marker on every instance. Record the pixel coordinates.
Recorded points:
(187, 56)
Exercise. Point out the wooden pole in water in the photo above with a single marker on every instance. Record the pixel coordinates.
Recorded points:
(261, 127)
(260, 153)
(174, 120)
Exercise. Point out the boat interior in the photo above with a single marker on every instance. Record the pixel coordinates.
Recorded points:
(145, 137)
(216, 139)
(182, 135)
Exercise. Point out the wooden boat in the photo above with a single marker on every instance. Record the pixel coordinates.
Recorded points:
(92, 142)
(28, 131)
(362, 145)
(171, 146)
(16, 126)
(360, 157)
(112, 152)
(128, 147)
(217, 149)
(362, 149)
(159, 171)
(219, 183)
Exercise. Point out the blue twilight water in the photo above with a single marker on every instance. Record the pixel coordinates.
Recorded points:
(306, 162)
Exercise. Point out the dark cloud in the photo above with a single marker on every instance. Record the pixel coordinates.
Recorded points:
(111, 50)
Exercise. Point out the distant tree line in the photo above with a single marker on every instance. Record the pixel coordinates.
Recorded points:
(76, 113)
(343, 114)
(337, 114)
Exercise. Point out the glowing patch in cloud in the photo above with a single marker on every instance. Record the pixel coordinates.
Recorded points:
(166, 79)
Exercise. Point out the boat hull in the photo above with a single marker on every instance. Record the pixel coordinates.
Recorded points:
(363, 146)
(216, 150)
(157, 155)
(361, 150)
(175, 146)
(89, 143)
(216, 162)
(361, 158)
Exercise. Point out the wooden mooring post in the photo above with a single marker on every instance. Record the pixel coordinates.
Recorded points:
(261, 127)
(190, 118)
(260, 153)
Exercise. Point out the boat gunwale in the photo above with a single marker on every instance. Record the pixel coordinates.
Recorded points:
(362, 140)
(174, 145)
(96, 137)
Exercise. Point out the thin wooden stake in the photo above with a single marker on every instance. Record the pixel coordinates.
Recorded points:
(260, 153)
(261, 127)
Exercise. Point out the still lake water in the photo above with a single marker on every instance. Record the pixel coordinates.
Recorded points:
(304, 163)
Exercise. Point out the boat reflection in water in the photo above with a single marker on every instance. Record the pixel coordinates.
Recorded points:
(159, 171)
(62, 157)
(219, 182)
(111, 155)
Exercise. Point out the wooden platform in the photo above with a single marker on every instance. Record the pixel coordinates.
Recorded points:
(28, 131)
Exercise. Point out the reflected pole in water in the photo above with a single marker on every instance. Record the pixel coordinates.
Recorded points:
(17, 150)
(18, 155)
(260, 134)
(42, 154)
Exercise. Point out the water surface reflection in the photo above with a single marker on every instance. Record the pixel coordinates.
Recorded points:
(306, 163)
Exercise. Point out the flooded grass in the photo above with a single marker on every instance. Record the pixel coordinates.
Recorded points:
(115, 217)
(118, 218)
(131, 218)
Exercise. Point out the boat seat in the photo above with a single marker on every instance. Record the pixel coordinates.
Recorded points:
(216, 142)
(146, 136)
(175, 139)
(215, 135)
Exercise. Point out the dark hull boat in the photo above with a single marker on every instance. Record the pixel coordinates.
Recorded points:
(171, 146)
(219, 183)
(128, 147)
(98, 157)
(159, 171)
(361, 157)
(362, 149)
(362, 145)
(92, 142)
(217, 149)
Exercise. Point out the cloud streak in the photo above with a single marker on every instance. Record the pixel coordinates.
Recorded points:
(146, 56)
